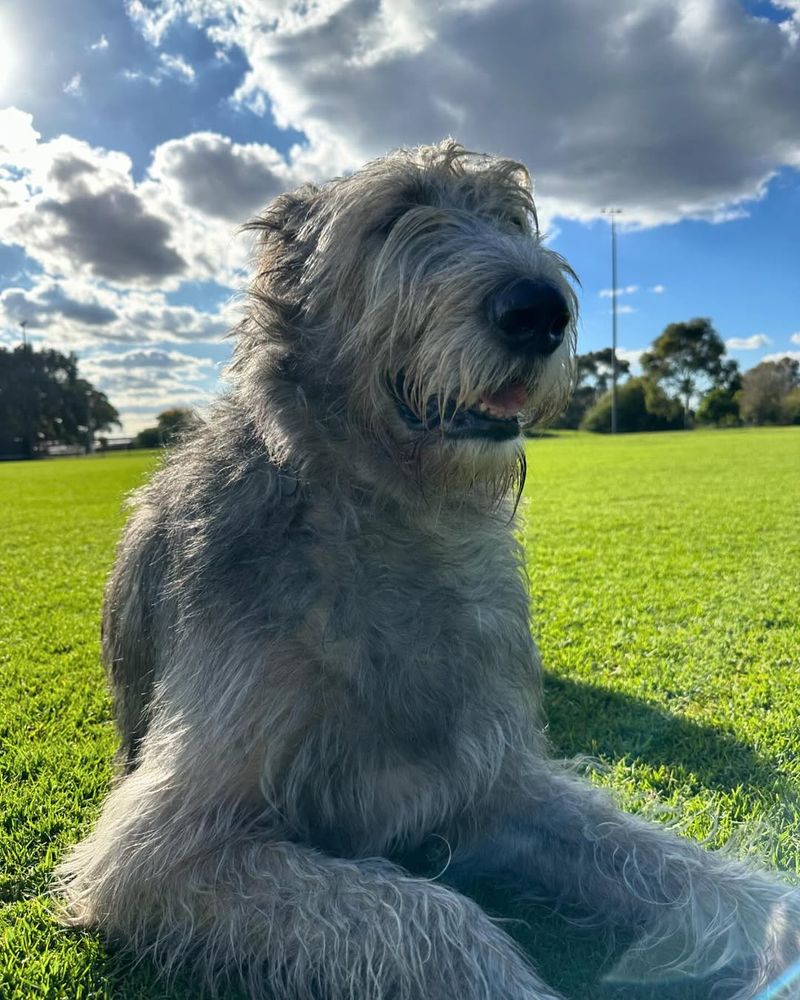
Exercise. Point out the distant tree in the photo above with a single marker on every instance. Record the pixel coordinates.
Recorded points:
(150, 437)
(719, 407)
(43, 399)
(596, 368)
(687, 357)
(175, 422)
(642, 405)
(730, 376)
(172, 425)
(768, 392)
(790, 408)
(593, 377)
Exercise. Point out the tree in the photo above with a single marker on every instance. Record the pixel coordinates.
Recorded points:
(43, 400)
(719, 407)
(768, 392)
(148, 438)
(790, 408)
(687, 357)
(642, 405)
(175, 422)
(593, 377)
(596, 369)
(172, 425)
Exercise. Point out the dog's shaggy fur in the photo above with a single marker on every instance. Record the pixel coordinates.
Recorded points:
(317, 632)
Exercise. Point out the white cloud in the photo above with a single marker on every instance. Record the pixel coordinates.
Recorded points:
(172, 65)
(88, 218)
(158, 366)
(791, 26)
(17, 135)
(76, 210)
(795, 337)
(632, 356)
(220, 177)
(625, 309)
(73, 86)
(608, 293)
(658, 289)
(154, 19)
(663, 86)
(83, 314)
(779, 355)
(748, 343)
(100, 44)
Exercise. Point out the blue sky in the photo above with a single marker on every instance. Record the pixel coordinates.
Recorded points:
(136, 136)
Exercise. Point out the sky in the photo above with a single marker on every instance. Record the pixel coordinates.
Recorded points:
(136, 137)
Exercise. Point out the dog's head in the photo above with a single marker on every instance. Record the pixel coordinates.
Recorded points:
(416, 308)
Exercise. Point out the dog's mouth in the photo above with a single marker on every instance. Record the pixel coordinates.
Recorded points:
(494, 416)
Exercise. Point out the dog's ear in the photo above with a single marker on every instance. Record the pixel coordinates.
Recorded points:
(283, 231)
(284, 239)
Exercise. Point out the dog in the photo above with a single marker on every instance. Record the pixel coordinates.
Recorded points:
(317, 633)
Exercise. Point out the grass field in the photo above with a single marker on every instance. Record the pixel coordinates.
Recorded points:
(666, 589)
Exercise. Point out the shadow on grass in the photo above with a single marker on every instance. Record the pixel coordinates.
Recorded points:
(586, 719)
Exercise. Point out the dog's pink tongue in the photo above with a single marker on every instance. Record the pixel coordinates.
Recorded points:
(510, 399)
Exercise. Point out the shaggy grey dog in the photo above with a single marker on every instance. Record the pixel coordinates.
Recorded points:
(318, 636)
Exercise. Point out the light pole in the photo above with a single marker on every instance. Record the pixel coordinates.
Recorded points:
(612, 212)
(89, 439)
(23, 324)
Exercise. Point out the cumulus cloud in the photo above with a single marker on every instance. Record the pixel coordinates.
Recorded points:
(609, 293)
(748, 343)
(141, 383)
(49, 304)
(17, 134)
(76, 210)
(780, 355)
(100, 44)
(157, 363)
(219, 177)
(131, 243)
(80, 314)
(658, 289)
(682, 109)
(795, 337)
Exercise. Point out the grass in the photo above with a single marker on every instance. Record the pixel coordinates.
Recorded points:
(666, 592)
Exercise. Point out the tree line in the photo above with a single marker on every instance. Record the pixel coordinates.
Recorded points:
(686, 380)
(44, 401)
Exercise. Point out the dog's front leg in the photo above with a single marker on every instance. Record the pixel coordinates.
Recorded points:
(693, 912)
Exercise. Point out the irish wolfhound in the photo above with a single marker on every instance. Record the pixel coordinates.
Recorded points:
(317, 632)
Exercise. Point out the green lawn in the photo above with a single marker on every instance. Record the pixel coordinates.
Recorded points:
(666, 593)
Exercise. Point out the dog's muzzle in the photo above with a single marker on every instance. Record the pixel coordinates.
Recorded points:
(529, 315)
(493, 418)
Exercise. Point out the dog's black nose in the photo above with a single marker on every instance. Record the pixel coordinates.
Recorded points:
(529, 315)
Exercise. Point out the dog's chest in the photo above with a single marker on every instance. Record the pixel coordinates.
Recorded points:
(424, 655)
(413, 604)
(423, 635)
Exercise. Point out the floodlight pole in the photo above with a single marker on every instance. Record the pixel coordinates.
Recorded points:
(612, 212)
(23, 325)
